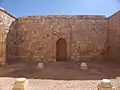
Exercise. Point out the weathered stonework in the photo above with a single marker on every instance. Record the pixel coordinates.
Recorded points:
(2, 46)
(45, 37)
(5, 21)
(35, 37)
(114, 36)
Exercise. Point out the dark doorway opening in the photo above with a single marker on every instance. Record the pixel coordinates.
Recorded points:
(61, 50)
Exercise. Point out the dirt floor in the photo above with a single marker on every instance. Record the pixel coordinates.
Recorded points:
(62, 70)
(63, 73)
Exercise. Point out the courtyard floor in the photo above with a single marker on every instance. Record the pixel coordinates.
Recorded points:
(60, 75)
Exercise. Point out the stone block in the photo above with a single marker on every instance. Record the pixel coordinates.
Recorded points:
(105, 85)
(40, 65)
(83, 66)
(20, 84)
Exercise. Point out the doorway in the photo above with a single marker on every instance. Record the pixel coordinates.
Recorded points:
(61, 50)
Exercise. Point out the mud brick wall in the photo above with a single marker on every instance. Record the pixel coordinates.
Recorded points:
(114, 36)
(35, 37)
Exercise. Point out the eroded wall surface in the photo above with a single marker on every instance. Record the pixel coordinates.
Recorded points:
(89, 37)
(2, 47)
(114, 36)
(35, 37)
(5, 21)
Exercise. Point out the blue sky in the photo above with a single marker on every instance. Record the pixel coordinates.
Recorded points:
(57, 7)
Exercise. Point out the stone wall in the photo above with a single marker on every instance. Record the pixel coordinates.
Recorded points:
(5, 21)
(89, 37)
(114, 36)
(35, 37)
(2, 46)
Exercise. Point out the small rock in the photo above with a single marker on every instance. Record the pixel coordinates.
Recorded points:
(40, 65)
(20, 79)
(83, 66)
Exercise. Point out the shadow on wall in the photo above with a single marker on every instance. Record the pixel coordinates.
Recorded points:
(63, 70)
(7, 47)
(11, 42)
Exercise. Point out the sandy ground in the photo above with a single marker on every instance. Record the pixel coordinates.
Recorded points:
(60, 75)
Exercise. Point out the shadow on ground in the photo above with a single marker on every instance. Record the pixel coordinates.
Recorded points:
(61, 70)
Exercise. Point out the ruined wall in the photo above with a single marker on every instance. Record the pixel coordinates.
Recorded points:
(35, 37)
(2, 46)
(5, 21)
(114, 36)
(89, 37)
